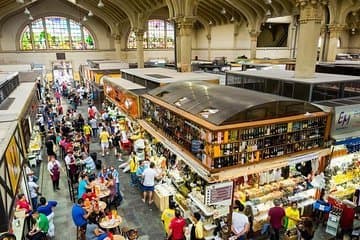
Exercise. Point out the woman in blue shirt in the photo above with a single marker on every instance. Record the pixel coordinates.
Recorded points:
(83, 185)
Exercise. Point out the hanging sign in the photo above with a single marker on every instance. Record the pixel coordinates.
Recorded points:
(219, 194)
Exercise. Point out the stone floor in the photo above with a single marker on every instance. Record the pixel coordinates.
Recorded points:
(135, 213)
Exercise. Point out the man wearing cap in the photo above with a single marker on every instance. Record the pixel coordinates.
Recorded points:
(275, 216)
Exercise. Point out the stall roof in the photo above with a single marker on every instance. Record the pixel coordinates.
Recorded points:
(164, 75)
(221, 105)
(5, 76)
(7, 130)
(127, 85)
(20, 96)
(340, 102)
(289, 76)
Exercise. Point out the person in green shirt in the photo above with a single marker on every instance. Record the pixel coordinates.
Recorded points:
(41, 227)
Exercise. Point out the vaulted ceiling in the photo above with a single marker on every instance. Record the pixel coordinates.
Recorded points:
(115, 12)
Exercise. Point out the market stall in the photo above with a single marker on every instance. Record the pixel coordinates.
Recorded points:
(223, 142)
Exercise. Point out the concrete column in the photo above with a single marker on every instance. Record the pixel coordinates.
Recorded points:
(209, 46)
(335, 31)
(310, 23)
(140, 48)
(253, 43)
(186, 30)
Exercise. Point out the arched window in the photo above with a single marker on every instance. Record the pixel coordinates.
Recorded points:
(56, 33)
(160, 34)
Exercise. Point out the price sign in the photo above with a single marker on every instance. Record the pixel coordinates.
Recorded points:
(219, 194)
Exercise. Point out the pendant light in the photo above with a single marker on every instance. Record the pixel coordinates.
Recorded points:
(84, 19)
(100, 4)
(31, 17)
(20, 1)
(90, 14)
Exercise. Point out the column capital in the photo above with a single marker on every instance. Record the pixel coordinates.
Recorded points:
(117, 37)
(310, 10)
(185, 25)
(336, 29)
(254, 34)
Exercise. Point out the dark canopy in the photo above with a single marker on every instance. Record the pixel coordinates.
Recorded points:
(221, 105)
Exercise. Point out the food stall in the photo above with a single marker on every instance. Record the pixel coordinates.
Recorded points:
(223, 139)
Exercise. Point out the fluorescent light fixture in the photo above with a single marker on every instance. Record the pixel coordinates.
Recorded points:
(100, 4)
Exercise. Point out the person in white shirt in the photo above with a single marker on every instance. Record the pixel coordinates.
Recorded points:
(33, 189)
(240, 222)
(149, 175)
(54, 170)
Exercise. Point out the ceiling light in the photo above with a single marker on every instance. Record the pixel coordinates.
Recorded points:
(270, 27)
(210, 22)
(100, 4)
(268, 1)
(20, 1)
(84, 19)
(223, 11)
(268, 13)
(90, 14)
(232, 19)
(31, 17)
(26, 11)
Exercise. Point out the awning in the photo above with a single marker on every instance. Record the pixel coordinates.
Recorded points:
(347, 138)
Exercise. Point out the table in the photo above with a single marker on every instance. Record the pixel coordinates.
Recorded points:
(112, 223)
(103, 191)
(118, 237)
(102, 206)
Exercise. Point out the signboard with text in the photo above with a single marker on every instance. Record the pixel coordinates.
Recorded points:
(346, 119)
(219, 194)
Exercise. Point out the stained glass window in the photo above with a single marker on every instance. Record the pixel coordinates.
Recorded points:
(160, 34)
(56, 33)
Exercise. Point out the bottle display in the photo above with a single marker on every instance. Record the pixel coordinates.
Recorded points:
(219, 149)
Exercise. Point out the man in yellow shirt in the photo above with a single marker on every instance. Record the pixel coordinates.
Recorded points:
(87, 131)
(104, 140)
(293, 215)
(198, 233)
(133, 164)
(167, 215)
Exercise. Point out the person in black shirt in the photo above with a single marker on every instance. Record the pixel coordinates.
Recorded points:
(306, 229)
(50, 141)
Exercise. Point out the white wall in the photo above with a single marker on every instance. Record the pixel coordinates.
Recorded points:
(224, 43)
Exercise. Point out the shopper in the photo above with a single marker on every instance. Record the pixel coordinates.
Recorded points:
(197, 231)
(149, 177)
(240, 222)
(133, 164)
(80, 216)
(292, 215)
(34, 193)
(116, 176)
(177, 227)
(94, 127)
(93, 232)
(167, 215)
(46, 208)
(104, 140)
(83, 185)
(41, 227)
(23, 205)
(54, 168)
(87, 131)
(306, 229)
(275, 216)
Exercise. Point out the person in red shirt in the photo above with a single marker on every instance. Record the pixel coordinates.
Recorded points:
(275, 216)
(176, 228)
(89, 195)
(23, 204)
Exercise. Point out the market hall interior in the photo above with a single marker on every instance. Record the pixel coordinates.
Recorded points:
(223, 111)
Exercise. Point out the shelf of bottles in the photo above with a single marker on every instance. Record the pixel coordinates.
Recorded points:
(243, 146)
(236, 147)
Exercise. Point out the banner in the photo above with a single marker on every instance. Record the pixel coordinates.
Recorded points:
(12, 156)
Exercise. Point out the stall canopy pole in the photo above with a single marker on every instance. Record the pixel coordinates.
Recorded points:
(229, 222)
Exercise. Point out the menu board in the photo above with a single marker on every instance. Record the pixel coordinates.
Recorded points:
(219, 194)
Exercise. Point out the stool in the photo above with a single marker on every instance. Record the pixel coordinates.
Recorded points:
(80, 233)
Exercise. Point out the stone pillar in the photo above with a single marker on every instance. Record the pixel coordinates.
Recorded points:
(310, 23)
(140, 48)
(117, 43)
(178, 47)
(186, 30)
(253, 43)
(335, 31)
(323, 43)
(209, 46)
